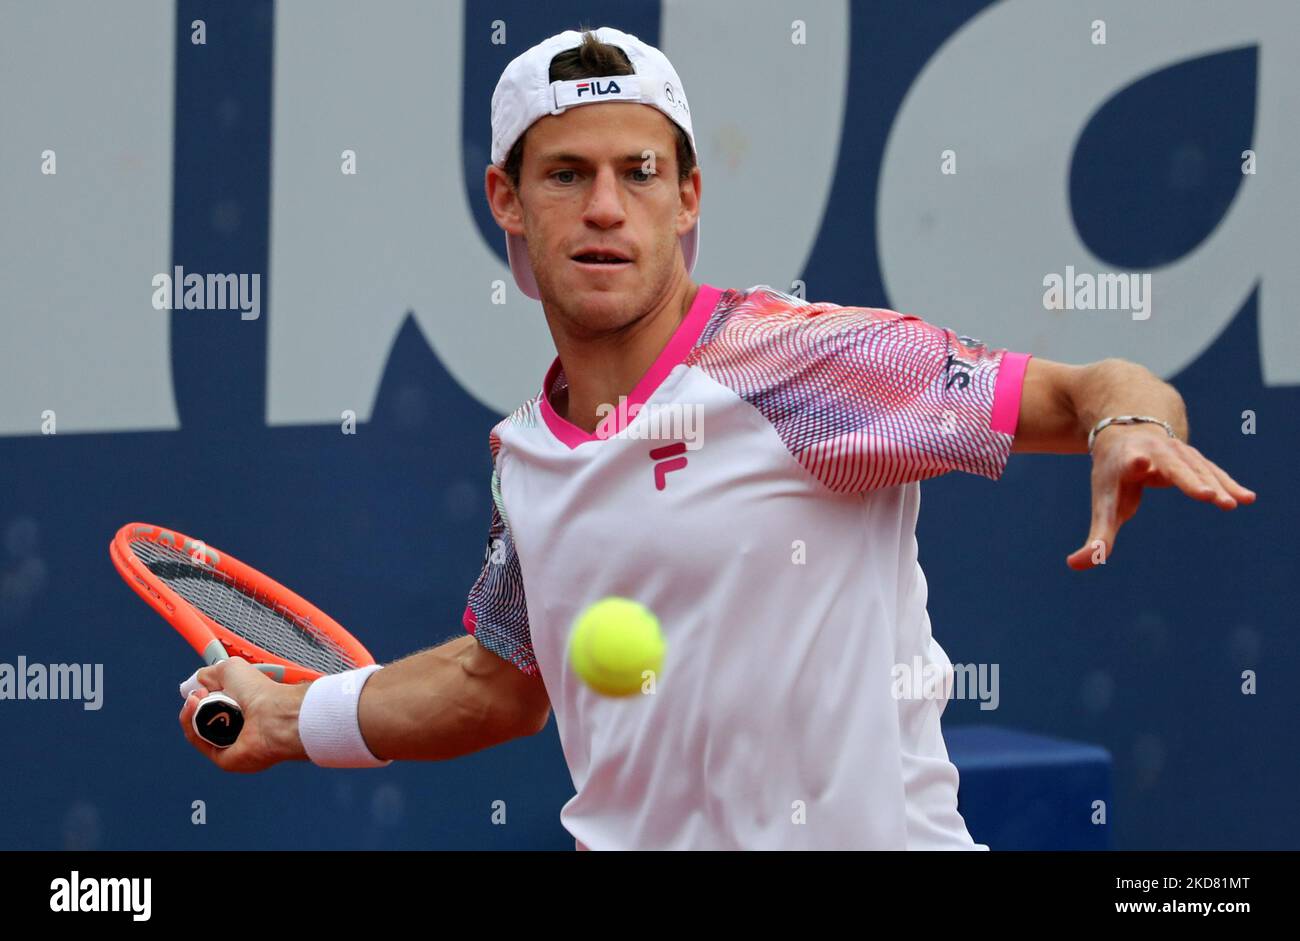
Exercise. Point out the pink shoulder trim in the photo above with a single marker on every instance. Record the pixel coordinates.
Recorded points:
(1006, 392)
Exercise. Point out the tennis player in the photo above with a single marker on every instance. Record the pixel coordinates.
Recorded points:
(745, 464)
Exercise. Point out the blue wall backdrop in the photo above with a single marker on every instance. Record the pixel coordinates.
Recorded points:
(1144, 656)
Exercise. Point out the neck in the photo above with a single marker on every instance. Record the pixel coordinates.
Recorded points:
(600, 369)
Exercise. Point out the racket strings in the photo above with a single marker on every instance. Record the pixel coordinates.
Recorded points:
(243, 610)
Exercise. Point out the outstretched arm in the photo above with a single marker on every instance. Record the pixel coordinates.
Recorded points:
(1061, 403)
(440, 703)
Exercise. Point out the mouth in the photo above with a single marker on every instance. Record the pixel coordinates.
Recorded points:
(603, 259)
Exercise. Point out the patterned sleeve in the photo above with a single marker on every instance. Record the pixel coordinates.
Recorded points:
(866, 398)
(496, 613)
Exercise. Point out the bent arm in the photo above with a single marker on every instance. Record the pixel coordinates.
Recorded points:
(449, 701)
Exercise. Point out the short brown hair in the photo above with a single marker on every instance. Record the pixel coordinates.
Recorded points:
(596, 59)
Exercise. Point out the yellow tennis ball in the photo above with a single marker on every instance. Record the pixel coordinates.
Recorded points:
(613, 643)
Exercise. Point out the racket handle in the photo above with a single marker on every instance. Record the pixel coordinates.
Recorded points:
(218, 720)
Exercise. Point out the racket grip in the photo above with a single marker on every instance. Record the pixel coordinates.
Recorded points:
(218, 720)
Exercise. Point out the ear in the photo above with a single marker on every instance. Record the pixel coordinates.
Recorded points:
(503, 200)
(690, 197)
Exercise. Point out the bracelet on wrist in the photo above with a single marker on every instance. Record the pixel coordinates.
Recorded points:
(1127, 420)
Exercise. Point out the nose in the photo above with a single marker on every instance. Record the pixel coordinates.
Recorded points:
(605, 204)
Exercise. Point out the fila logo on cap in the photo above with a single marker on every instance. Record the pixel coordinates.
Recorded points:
(585, 91)
(595, 88)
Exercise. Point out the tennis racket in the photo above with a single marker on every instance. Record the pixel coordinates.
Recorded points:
(225, 608)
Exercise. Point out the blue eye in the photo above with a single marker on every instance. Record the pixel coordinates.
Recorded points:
(558, 172)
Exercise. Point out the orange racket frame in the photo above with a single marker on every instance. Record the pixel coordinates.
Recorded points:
(199, 629)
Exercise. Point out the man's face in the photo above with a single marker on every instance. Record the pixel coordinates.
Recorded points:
(602, 232)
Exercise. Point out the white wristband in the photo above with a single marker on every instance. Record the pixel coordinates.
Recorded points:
(328, 724)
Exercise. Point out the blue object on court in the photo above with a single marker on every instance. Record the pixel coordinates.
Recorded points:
(1021, 791)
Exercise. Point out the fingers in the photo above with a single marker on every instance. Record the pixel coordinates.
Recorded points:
(1227, 492)
(1092, 553)
(1115, 497)
(1174, 463)
(192, 685)
(218, 676)
(1215, 485)
(1101, 531)
(1237, 491)
(241, 680)
(1138, 467)
(1117, 487)
(210, 677)
(1164, 469)
(1197, 482)
(1181, 467)
(1085, 557)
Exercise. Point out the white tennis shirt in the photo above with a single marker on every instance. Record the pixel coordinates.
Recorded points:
(759, 492)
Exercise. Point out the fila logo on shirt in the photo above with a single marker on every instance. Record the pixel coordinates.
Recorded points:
(596, 89)
(667, 462)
